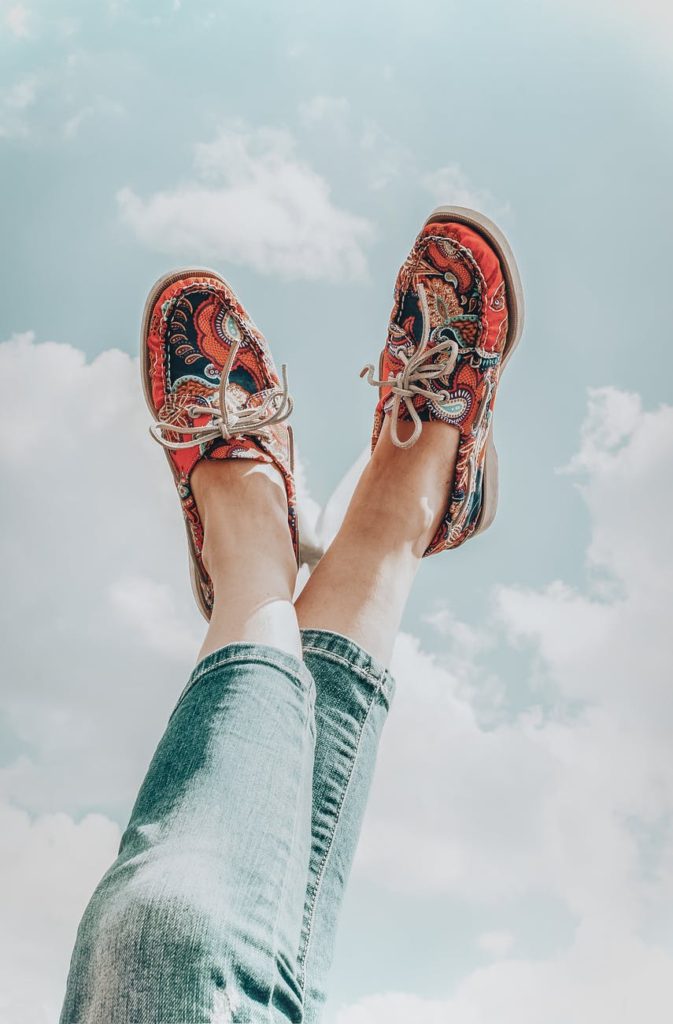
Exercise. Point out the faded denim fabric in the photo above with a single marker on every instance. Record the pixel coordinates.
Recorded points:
(353, 698)
(223, 902)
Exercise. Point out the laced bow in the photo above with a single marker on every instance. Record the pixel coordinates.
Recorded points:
(225, 421)
(418, 370)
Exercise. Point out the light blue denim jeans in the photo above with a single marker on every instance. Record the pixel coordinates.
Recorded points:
(223, 902)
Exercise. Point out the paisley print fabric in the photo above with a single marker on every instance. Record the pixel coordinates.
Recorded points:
(190, 330)
(464, 298)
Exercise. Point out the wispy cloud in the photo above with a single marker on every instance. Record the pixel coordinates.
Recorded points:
(18, 19)
(332, 113)
(252, 201)
(99, 107)
(15, 102)
(645, 24)
(451, 185)
(331, 109)
(385, 158)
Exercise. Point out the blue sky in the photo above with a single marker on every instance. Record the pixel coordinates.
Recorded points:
(298, 148)
(554, 122)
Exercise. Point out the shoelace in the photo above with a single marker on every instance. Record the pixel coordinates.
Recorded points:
(412, 379)
(225, 422)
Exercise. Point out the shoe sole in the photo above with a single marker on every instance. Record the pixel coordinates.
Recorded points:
(516, 314)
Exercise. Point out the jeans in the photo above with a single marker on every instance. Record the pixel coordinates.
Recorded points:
(223, 902)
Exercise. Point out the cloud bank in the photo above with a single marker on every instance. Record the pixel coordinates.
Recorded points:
(569, 798)
(486, 791)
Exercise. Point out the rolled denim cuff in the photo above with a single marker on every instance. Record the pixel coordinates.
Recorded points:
(344, 651)
(258, 654)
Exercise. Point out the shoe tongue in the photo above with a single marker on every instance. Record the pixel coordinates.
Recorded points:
(241, 379)
(253, 448)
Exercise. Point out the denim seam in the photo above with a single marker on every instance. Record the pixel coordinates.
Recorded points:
(304, 952)
(378, 681)
(310, 710)
(258, 659)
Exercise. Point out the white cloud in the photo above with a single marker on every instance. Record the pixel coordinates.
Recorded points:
(18, 20)
(331, 517)
(21, 95)
(605, 978)
(571, 797)
(99, 108)
(386, 160)
(449, 185)
(590, 751)
(496, 943)
(331, 109)
(645, 24)
(150, 610)
(101, 570)
(49, 866)
(94, 510)
(483, 789)
(14, 103)
(253, 202)
(104, 635)
(475, 797)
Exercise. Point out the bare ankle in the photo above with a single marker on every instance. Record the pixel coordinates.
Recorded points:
(236, 482)
(404, 493)
(243, 507)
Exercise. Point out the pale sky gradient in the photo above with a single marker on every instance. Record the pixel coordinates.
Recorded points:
(517, 857)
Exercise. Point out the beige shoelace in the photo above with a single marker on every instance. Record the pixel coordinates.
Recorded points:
(418, 369)
(226, 422)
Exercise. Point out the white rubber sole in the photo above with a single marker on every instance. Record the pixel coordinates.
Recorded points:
(516, 309)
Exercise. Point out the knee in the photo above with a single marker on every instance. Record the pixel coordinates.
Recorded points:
(147, 954)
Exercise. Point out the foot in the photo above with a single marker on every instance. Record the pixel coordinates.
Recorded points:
(402, 495)
(242, 505)
(213, 389)
(457, 317)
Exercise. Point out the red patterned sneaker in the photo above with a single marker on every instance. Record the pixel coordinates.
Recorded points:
(212, 387)
(457, 317)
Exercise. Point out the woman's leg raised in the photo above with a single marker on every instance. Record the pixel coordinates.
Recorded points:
(429, 486)
(349, 612)
(199, 917)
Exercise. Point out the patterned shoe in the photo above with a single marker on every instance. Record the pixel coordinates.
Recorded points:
(213, 390)
(457, 317)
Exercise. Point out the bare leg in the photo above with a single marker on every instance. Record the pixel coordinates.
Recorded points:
(361, 585)
(203, 907)
(248, 554)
